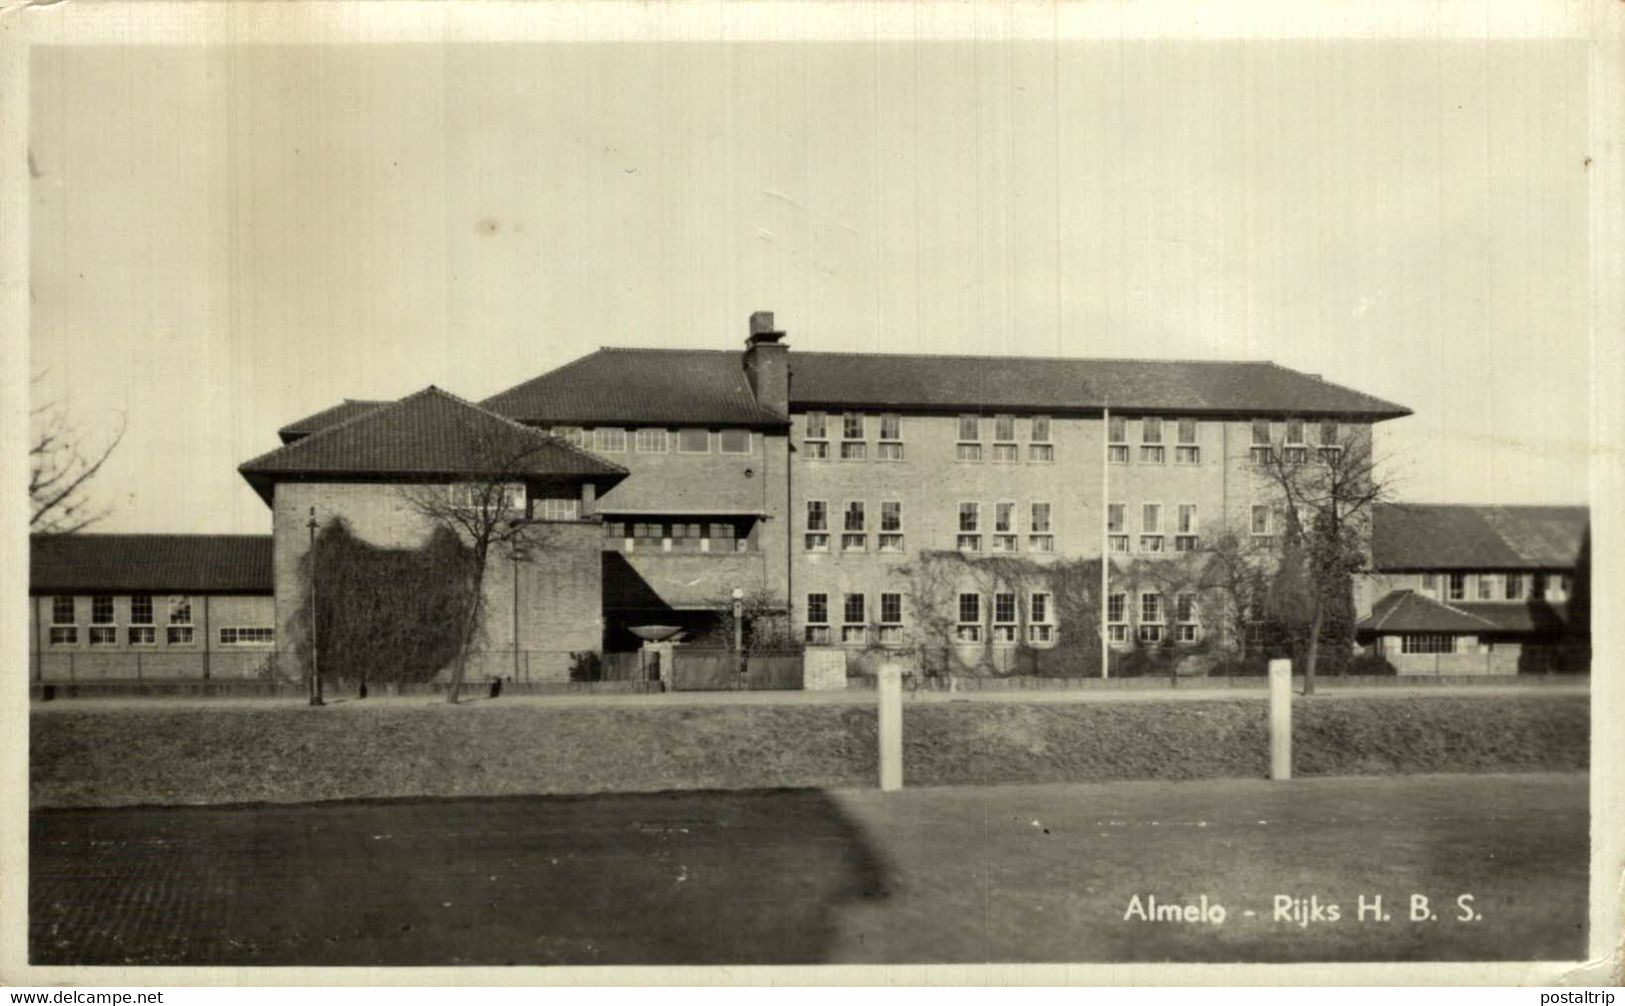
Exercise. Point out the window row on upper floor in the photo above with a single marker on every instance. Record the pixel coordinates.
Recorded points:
(850, 431)
(656, 439)
(1002, 533)
(1505, 586)
(1154, 440)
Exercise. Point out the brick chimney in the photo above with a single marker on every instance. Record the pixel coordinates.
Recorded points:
(767, 363)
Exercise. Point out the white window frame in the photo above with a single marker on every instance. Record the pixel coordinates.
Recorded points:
(1005, 535)
(1455, 586)
(56, 610)
(1005, 628)
(645, 441)
(890, 539)
(966, 631)
(890, 448)
(1153, 539)
(1427, 643)
(237, 633)
(969, 539)
(816, 631)
(855, 632)
(722, 441)
(1040, 533)
(609, 440)
(890, 629)
(1041, 617)
(1117, 628)
(815, 539)
(854, 539)
(693, 429)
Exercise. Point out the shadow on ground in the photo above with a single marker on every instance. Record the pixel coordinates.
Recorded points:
(695, 878)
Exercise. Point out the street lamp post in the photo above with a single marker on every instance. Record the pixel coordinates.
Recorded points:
(739, 620)
(315, 617)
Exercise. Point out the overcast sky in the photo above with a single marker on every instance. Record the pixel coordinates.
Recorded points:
(226, 239)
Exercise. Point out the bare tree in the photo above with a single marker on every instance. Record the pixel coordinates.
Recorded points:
(1327, 494)
(486, 508)
(1235, 569)
(60, 468)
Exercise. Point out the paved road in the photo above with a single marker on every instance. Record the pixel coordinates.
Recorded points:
(1195, 692)
(1015, 873)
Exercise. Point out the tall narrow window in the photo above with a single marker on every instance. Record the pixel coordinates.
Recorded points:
(1150, 617)
(816, 441)
(1116, 527)
(1331, 443)
(1039, 447)
(891, 437)
(970, 526)
(1187, 452)
(853, 528)
(1117, 617)
(142, 632)
(1262, 448)
(1185, 628)
(817, 535)
(1294, 452)
(179, 630)
(1457, 586)
(1262, 529)
(1040, 536)
(1004, 618)
(817, 628)
(853, 445)
(1117, 440)
(854, 620)
(969, 627)
(1514, 586)
(63, 630)
(1005, 449)
(1004, 530)
(1151, 449)
(891, 619)
(1151, 527)
(891, 526)
(1185, 532)
(1039, 627)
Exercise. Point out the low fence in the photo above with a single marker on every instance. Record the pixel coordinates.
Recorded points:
(705, 670)
(155, 665)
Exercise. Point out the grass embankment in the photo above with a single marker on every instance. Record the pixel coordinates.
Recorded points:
(283, 753)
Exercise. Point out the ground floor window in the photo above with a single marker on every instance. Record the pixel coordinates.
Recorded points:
(817, 630)
(64, 635)
(1427, 643)
(241, 636)
(969, 629)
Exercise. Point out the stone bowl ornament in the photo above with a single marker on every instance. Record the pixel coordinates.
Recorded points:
(654, 633)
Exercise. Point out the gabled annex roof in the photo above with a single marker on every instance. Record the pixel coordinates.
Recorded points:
(429, 434)
(1408, 611)
(1430, 536)
(330, 416)
(150, 564)
(705, 386)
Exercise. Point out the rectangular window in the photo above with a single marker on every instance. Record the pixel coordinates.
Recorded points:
(141, 609)
(1117, 430)
(854, 450)
(1116, 529)
(103, 635)
(1039, 433)
(1041, 453)
(890, 631)
(970, 428)
(62, 611)
(891, 526)
(888, 450)
(854, 620)
(1004, 618)
(817, 628)
(1514, 586)
(64, 635)
(1427, 643)
(1151, 617)
(1153, 455)
(1007, 453)
(1457, 585)
(1117, 454)
(1430, 582)
(1116, 607)
(817, 450)
(101, 610)
(1295, 455)
(1151, 527)
(687, 537)
(1150, 430)
(473, 496)
(733, 442)
(649, 441)
(1004, 427)
(247, 636)
(1039, 627)
(608, 438)
(724, 538)
(1040, 537)
(1486, 587)
(143, 635)
(852, 426)
(572, 435)
(1185, 532)
(817, 428)
(853, 538)
(1294, 431)
(970, 524)
(560, 508)
(1187, 453)
(1262, 448)
(1187, 430)
(968, 452)
(693, 441)
(1329, 433)
(817, 536)
(891, 426)
(1261, 521)
(969, 629)
(1185, 615)
(1004, 521)
(1331, 455)
(178, 635)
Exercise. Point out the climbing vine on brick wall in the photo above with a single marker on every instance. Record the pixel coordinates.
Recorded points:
(385, 614)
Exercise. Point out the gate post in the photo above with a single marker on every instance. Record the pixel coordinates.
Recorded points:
(890, 689)
(1280, 719)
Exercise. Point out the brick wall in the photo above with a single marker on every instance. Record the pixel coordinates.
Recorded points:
(204, 656)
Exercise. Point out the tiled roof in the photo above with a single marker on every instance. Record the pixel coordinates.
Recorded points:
(331, 416)
(1025, 382)
(1408, 611)
(708, 386)
(641, 386)
(1429, 536)
(1529, 617)
(429, 433)
(150, 563)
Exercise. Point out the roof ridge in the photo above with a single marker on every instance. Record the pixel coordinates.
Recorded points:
(948, 356)
(1464, 614)
(327, 431)
(81, 535)
(1389, 610)
(1340, 387)
(1491, 506)
(531, 431)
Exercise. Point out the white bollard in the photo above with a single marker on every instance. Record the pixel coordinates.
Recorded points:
(890, 687)
(1280, 719)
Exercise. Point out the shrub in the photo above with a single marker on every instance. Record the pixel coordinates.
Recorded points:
(585, 665)
(1368, 664)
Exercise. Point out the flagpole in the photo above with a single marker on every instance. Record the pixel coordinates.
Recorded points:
(1105, 533)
